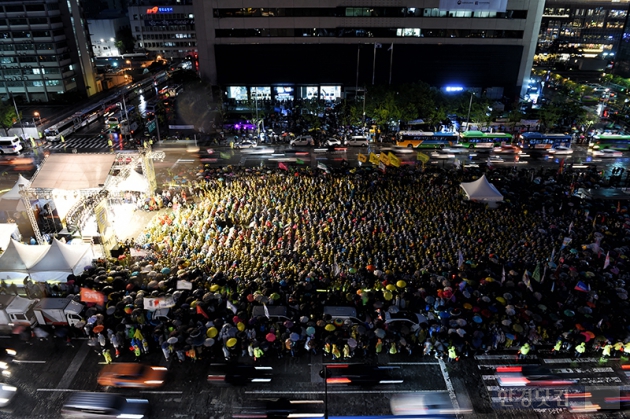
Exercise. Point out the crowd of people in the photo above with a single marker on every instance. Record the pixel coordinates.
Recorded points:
(543, 268)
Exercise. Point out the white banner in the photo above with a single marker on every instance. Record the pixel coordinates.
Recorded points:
(474, 5)
(160, 302)
(184, 285)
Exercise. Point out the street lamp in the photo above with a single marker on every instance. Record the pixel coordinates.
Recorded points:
(36, 117)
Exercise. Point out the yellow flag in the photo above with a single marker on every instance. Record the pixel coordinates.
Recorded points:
(362, 158)
(423, 157)
(373, 159)
(393, 160)
(383, 159)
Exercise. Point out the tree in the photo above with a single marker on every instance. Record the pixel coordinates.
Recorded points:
(8, 117)
(124, 40)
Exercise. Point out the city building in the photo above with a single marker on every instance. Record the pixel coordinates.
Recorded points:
(325, 48)
(45, 50)
(165, 28)
(103, 30)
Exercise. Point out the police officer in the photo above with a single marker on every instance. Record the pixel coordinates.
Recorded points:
(452, 354)
(524, 351)
(606, 350)
(107, 355)
(580, 349)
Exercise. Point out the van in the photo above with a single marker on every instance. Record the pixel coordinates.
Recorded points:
(343, 313)
(103, 405)
(10, 145)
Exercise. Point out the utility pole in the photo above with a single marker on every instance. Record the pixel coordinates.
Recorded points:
(469, 107)
(17, 113)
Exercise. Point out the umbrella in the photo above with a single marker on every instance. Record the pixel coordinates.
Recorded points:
(288, 324)
(212, 332)
(510, 336)
(310, 331)
(270, 337)
(208, 342)
(352, 343)
(98, 329)
(294, 337)
(569, 313)
(477, 319)
(380, 333)
(330, 327)
(401, 284)
(172, 340)
(461, 322)
(393, 309)
(506, 322)
(231, 342)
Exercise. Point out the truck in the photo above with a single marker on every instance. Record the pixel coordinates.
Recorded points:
(58, 312)
(16, 311)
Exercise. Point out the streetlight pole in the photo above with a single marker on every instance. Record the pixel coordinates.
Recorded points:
(17, 113)
(469, 107)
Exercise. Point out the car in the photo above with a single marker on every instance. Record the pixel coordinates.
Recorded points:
(281, 408)
(423, 403)
(7, 393)
(607, 153)
(332, 142)
(245, 144)
(357, 140)
(405, 317)
(302, 140)
(508, 149)
(560, 150)
(532, 375)
(342, 314)
(239, 374)
(103, 405)
(131, 375)
(360, 374)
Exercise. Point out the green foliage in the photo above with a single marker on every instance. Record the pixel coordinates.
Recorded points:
(7, 116)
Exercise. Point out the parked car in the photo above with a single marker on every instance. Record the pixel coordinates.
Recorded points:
(245, 144)
(607, 153)
(332, 142)
(357, 140)
(302, 140)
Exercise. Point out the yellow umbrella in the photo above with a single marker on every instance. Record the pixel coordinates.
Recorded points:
(390, 287)
(387, 295)
(401, 284)
(212, 332)
(330, 327)
(231, 342)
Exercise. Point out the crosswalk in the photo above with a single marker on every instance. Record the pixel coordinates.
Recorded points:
(91, 143)
(558, 385)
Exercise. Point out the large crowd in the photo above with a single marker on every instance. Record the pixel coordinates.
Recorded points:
(545, 267)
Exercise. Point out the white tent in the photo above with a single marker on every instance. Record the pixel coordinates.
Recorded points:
(8, 231)
(18, 258)
(60, 261)
(11, 201)
(481, 190)
(135, 182)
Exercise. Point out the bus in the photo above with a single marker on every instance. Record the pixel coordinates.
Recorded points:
(610, 141)
(422, 139)
(478, 139)
(539, 141)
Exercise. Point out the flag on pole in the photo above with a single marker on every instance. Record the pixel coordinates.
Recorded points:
(377, 45)
(570, 226)
(536, 274)
(322, 166)
(567, 241)
(231, 306)
(362, 158)
(503, 275)
(374, 159)
(607, 261)
(527, 281)
(460, 259)
(203, 313)
(581, 286)
(266, 310)
(282, 166)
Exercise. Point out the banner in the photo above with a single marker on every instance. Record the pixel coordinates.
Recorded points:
(382, 158)
(393, 160)
(474, 5)
(423, 157)
(362, 158)
(184, 285)
(91, 296)
(160, 302)
(373, 159)
(381, 167)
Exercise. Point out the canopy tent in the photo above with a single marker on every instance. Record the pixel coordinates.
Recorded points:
(11, 201)
(18, 258)
(481, 190)
(135, 182)
(60, 261)
(8, 231)
(73, 172)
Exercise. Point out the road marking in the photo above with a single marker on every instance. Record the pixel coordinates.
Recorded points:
(413, 363)
(57, 389)
(74, 366)
(570, 360)
(449, 385)
(504, 357)
(17, 361)
(342, 391)
(161, 392)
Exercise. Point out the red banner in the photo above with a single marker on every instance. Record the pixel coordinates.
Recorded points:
(91, 296)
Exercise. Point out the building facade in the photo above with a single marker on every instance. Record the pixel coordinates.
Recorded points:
(283, 46)
(45, 50)
(103, 31)
(164, 28)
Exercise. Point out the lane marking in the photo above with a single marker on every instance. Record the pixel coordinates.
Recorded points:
(515, 356)
(17, 361)
(341, 392)
(571, 360)
(413, 363)
(74, 366)
(52, 390)
(449, 385)
(161, 392)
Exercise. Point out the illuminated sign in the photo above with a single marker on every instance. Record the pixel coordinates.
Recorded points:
(157, 10)
(454, 88)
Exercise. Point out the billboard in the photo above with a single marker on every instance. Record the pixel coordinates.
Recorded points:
(330, 92)
(237, 92)
(284, 92)
(474, 5)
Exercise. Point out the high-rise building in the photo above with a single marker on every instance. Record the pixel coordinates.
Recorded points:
(45, 50)
(164, 27)
(298, 47)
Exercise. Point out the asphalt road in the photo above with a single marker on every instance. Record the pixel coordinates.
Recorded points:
(47, 372)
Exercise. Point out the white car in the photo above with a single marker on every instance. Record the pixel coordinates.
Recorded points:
(302, 140)
(357, 140)
(508, 149)
(7, 393)
(332, 142)
(245, 144)
(560, 150)
(607, 153)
